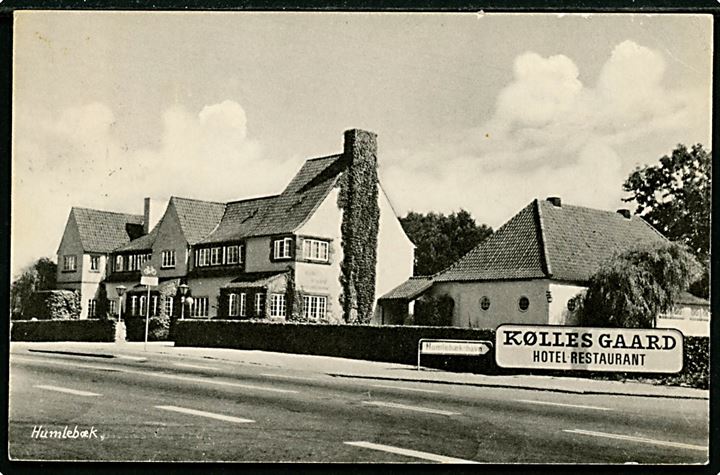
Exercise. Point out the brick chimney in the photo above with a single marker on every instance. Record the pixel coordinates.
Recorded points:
(555, 200)
(625, 213)
(360, 145)
(146, 216)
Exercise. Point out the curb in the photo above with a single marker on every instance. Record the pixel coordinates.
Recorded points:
(520, 386)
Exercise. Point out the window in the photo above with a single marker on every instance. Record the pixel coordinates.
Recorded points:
(237, 305)
(282, 248)
(314, 307)
(154, 310)
(112, 306)
(168, 259)
(216, 256)
(133, 305)
(243, 304)
(168, 305)
(69, 263)
(202, 257)
(259, 305)
(277, 305)
(199, 307)
(118, 263)
(315, 250)
(95, 263)
(233, 254)
(143, 302)
(92, 308)
(485, 303)
(523, 303)
(232, 305)
(571, 304)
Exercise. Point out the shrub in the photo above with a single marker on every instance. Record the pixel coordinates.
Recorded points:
(53, 305)
(63, 330)
(158, 328)
(431, 310)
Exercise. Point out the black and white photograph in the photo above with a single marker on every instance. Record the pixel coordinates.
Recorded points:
(360, 237)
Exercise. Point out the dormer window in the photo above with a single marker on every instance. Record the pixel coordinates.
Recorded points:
(216, 256)
(315, 250)
(202, 257)
(233, 254)
(282, 248)
(118, 263)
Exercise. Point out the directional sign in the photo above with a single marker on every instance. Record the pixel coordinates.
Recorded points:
(454, 347)
(148, 280)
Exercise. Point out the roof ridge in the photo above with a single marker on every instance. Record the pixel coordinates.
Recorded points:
(541, 238)
(257, 198)
(105, 211)
(334, 155)
(197, 200)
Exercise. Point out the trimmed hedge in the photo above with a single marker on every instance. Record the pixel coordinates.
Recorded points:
(399, 344)
(158, 329)
(63, 330)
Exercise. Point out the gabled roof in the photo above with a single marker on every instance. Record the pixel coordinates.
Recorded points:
(410, 289)
(566, 242)
(103, 231)
(282, 213)
(197, 218)
(143, 243)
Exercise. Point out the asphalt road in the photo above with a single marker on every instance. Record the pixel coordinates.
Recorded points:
(169, 408)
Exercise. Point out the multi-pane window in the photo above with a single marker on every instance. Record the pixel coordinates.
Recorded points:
(277, 305)
(216, 256)
(168, 305)
(199, 307)
(112, 306)
(92, 308)
(237, 305)
(154, 308)
(69, 263)
(282, 248)
(133, 305)
(168, 258)
(95, 263)
(315, 250)
(233, 254)
(259, 305)
(143, 303)
(118, 263)
(314, 307)
(202, 257)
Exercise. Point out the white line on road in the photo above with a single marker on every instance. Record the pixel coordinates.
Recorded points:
(637, 439)
(161, 375)
(194, 366)
(66, 390)
(408, 452)
(132, 358)
(210, 415)
(579, 406)
(411, 408)
(401, 388)
(300, 378)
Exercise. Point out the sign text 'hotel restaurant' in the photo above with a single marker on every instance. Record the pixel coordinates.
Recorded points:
(591, 349)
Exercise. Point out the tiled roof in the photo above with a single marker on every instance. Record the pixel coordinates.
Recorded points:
(410, 289)
(143, 243)
(197, 218)
(103, 231)
(285, 212)
(565, 242)
(254, 279)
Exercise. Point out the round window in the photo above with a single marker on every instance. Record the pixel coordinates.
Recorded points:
(571, 305)
(523, 303)
(485, 303)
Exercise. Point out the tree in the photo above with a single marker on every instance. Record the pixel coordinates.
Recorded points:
(441, 240)
(41, 275)
(674, 196)
(634, 287)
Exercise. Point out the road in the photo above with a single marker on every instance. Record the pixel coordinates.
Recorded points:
(171, 408)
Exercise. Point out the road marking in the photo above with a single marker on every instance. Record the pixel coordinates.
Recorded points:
(410, 408)
(66, 390)
(210, 415)
(408, 452)
(163, 375)
(637, 439)
(287, 377)
(195, 366)
(548, 403)
(401, 388)
(132, 358)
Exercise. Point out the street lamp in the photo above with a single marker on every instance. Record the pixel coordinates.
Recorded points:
(120, 289)
(183, 292)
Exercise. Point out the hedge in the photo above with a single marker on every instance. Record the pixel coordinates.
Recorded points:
(398, 344)
(63, 330)
(53, 305)
(158, 329)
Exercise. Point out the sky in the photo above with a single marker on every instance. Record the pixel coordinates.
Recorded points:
(483, 112)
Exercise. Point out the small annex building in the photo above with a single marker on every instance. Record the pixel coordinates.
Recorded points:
(530, 269)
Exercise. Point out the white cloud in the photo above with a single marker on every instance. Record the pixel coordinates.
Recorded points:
(77, 158)
(550, 134)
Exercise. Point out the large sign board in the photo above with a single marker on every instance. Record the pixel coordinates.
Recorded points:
(592, 349)
(452, 347)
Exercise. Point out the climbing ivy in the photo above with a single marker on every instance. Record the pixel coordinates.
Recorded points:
(293, 299)
(358, 198)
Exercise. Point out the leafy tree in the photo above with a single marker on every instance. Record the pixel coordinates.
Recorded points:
(433, 310)
(637, 285)
(674, 196)
(41, 275)
(441, 240)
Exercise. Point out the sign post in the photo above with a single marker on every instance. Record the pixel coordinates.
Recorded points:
(149, 279)
(452, 347)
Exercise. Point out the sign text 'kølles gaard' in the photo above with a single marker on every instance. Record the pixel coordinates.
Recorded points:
(592, 349)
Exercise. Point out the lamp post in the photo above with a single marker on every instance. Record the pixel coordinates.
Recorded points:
(183, 292)
(120, 289)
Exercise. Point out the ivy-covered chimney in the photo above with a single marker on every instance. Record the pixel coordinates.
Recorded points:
(361, 218)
